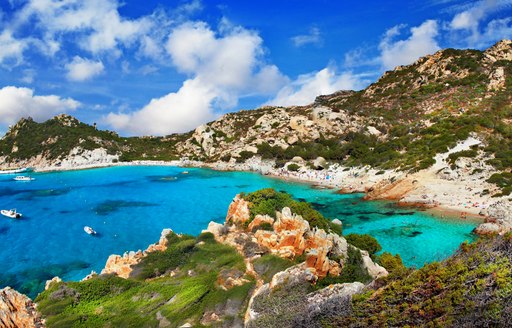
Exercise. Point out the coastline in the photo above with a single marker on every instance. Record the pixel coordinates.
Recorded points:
(344, 180)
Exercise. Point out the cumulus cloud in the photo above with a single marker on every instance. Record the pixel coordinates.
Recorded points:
(99, 20)
(307, 87)
(313, 37)
(16, 103)
(221, 68)
(81, 69)
(179, 111)
(421, 42)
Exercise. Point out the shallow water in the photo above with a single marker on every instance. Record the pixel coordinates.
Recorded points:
(129, 207)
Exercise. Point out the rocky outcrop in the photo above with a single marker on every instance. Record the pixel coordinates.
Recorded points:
(122, 265)
(288, 236)
(310, 306)
(499, 219)
(238, 211)
(49, 283)
(18, 311)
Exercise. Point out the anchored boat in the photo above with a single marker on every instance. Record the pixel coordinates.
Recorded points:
(11, 214)
(89, 230)
(23, 178)
(14, 171)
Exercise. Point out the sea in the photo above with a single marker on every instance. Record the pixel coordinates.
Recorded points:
(129, 206)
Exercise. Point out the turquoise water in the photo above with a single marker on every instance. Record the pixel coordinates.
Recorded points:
(129, 207)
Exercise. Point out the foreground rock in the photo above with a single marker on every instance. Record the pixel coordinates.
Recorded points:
(122, 265)
(288, 236)
(18, 311)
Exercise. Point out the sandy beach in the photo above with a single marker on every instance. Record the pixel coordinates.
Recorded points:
(462, 198)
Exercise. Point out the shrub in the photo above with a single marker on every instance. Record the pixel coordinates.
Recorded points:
(268, 201)
(364, 242)
(293, 167)
(392, 263)
(353, 270)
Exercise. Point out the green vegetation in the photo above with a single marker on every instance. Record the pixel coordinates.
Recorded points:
(56, 137)
(392, 263)
(364, 242)
(353, 270)
(268, 265)
(464, 153)
(470, 289)
(503, 180)
(108, 301)
(293, 167)
(269, 201)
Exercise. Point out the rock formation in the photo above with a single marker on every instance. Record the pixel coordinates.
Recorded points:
(499, 219)
(18, 311)
(288, 236)
(122, 265)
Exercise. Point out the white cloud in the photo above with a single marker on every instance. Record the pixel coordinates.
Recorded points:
(307, 87)
(81, 69)
(497, 29)
(99, 21)
(16, 103)
(175, 112)
(313, 37)
(470, 19)
(466, 26)
(11, 49)
(421, 42)
(222, 67)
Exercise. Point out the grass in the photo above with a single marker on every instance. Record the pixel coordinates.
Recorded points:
(268, 265)
(109, 301)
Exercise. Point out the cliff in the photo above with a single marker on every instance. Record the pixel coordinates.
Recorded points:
(18, 311)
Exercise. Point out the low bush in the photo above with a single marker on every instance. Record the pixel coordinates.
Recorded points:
(364, 242)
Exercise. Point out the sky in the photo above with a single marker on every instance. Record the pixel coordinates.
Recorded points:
(157, 67)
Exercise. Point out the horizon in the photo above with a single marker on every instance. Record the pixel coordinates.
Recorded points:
(155, 69)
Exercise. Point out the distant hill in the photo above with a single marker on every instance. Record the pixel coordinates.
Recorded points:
(401, 121)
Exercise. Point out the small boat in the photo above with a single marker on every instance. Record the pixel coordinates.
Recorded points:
(89, 230)
(11, 213)
(14, 171)
(184, 172)
(23, 178)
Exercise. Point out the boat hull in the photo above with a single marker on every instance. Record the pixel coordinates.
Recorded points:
(10, 214)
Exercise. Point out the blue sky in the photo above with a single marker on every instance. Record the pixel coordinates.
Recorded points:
(157, 67)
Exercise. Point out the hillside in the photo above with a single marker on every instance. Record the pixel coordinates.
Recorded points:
(401, 121)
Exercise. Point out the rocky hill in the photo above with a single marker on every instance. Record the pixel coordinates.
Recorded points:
(402, 121)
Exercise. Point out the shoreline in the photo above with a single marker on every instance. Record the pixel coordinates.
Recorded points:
(343, 180)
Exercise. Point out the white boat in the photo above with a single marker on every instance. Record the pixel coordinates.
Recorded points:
(89, 230)
(14, 171)
(11, 213)
(23, 178)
